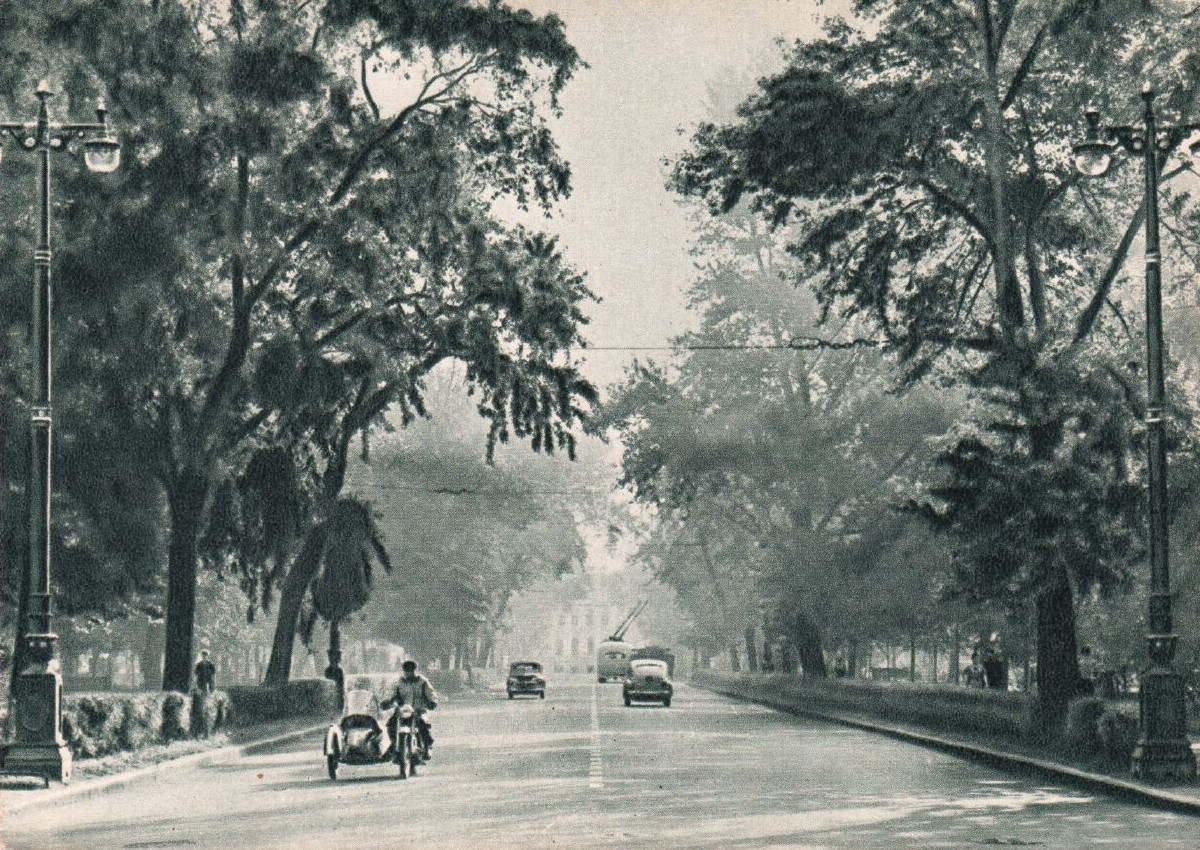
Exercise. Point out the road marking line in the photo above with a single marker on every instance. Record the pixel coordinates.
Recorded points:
(595, 762)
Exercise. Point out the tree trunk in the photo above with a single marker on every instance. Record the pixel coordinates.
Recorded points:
(483, 656)
(1057, 660)
(807, 640)
(852, 661)
(933, 677)
(957, 652)
(291, 597)
(734, 664)
(751, 649)
(788, 658)
(912, 658)
(151, 655)
(186, 503)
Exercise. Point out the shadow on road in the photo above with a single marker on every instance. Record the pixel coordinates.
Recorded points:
(299, 785)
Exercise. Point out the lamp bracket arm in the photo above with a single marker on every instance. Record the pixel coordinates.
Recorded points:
(1132, 139)
(78, 129)
(24, 134)
(57, 135)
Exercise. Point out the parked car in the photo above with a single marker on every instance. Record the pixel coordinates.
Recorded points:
(525, 677)
(648, 681)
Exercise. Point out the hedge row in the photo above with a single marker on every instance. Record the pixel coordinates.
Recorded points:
(300, 698)
(974, 710)
(1095, 729)
(101, 724)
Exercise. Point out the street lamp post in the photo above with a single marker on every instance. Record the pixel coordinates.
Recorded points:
(1163, 750)
(38, 747)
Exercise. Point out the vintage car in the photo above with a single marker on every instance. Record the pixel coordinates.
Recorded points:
(525, 677)
(648, 681)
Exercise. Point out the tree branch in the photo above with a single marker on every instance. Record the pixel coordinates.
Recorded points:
(239, 332)
(1087, 319)
(944, 197)
(358, 165)
(367, 88)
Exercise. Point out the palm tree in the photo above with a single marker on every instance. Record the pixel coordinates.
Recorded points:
(351, 544)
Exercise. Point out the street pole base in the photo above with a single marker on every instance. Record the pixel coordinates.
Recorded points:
(52, 763)
(1164, 761)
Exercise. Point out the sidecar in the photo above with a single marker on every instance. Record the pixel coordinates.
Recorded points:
(362, 737)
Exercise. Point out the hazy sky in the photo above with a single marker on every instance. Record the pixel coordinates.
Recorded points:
(652, 64)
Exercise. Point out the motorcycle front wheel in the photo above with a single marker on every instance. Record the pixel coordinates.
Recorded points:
(331, 764)
(404, 756)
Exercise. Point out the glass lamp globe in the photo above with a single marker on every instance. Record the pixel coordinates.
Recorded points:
(102, 154)
(1092, 159)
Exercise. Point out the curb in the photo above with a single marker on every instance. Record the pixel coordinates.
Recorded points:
(102, 784)
(1126, 789)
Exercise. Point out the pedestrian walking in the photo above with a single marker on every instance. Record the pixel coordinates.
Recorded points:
(995, 669)
(974, 675)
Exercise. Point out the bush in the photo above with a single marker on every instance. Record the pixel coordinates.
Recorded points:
(176, 720)
(1081, 732)
(1118, 733)
(446, 681)
(207, 713)
(101, 724)
(143, 720)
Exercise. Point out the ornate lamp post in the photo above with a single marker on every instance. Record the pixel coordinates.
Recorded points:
(38, 747)
(1162, 751)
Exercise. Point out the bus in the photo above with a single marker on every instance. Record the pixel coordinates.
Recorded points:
(612, 660)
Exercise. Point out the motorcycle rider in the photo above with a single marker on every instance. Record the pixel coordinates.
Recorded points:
(414, 689)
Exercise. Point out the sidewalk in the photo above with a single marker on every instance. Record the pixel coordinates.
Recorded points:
(1002, 754)
(244, 741)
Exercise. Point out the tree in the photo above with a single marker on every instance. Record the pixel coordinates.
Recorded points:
(925, 163)
(465, 535)
(352, 543)
(263, 117)
(770, 459)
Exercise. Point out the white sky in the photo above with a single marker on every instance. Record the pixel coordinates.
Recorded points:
(651, 63)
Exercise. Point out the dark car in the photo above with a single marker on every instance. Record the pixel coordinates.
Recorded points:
(648, 681)
(525, 677)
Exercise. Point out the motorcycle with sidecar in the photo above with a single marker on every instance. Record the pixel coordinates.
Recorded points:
(361, 737)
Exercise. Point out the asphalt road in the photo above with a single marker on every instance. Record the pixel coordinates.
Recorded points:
(579, 770)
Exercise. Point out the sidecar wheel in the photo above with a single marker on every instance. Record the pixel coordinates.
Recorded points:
(331, 764)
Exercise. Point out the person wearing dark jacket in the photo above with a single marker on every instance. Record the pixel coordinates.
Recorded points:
(206, 673)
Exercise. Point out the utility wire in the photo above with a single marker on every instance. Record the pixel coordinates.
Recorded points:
(795, 344)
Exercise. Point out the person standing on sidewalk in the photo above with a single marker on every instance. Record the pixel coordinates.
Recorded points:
(206, 673)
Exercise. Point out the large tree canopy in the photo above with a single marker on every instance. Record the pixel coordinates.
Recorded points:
(924, 160)
(773, 463)
(277, 216)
